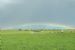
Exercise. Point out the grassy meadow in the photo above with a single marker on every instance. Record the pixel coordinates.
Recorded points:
(32, 40)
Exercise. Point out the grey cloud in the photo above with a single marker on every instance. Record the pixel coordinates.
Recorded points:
(58, 11)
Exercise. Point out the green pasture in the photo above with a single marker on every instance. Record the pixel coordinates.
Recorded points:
(42, 40)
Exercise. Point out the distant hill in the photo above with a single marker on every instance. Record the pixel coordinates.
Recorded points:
(38, 26)
(41, 26)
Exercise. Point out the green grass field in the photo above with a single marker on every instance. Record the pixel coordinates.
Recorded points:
(44, 40)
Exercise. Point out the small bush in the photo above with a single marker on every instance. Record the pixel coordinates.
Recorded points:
(20, 29)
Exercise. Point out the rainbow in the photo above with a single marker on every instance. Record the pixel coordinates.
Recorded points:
(52, 24)
(62, 25)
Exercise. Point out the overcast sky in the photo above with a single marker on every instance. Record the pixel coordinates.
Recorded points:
(14, 12)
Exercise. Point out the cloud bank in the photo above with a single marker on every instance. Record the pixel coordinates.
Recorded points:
(14, 12)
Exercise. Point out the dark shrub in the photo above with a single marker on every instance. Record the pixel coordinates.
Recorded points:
(20, 29)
